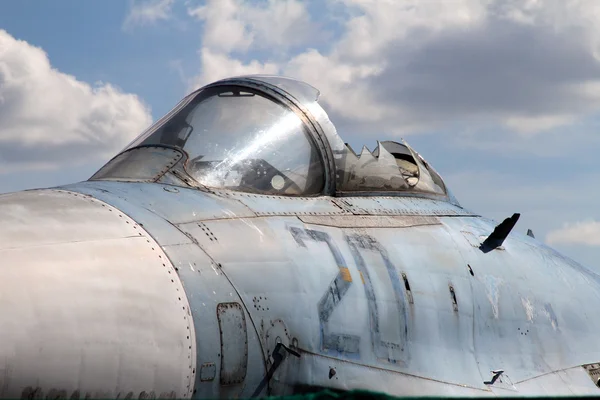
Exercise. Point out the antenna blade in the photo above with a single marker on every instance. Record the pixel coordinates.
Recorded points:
(500, 233)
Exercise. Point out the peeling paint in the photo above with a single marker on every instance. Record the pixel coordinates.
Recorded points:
(529, 309)
(492, 291)
(551, 316)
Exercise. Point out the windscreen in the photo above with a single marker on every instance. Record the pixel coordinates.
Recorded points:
(239, 139)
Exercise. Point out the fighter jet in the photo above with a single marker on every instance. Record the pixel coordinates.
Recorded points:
(240, 248)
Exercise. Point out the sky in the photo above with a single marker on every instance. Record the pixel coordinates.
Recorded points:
(502, 97)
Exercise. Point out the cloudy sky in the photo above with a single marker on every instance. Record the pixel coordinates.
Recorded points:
(501, 96)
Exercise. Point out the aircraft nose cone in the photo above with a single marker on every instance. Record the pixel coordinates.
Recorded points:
(90, 306)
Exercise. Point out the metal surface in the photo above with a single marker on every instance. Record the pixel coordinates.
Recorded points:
(369, 221)
(89, 302)
(206, 286)
(186, 205)
(234, 343)
(276, 205)
(208, 372)
(386, 205)
(594, 371)
(173, 289)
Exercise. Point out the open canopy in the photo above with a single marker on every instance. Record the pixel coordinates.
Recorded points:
(267, 134)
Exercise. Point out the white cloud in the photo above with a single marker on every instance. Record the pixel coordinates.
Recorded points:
(237, 25)
(49, 118)
(404, 66)
(471, 70)
(529, 125)
(380, 23)
(585, 232)
(341, 84)
(147, 12)
(216, 65)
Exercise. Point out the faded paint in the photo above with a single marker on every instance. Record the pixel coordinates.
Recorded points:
(492, 285)
(119, 311)
(291, 267)
(259, 235)
(551, 316)
(369, 221)
(528, 307)
(234, 343)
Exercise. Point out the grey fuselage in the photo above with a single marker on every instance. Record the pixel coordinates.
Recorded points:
(153, 286)
(113, 288)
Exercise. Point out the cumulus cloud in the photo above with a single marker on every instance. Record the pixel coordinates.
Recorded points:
(237, 25)
(217, 65)
(143, 12)
(406, 66)
(48, 118)
(585, 232)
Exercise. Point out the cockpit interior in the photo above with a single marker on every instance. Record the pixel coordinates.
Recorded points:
(267, 135)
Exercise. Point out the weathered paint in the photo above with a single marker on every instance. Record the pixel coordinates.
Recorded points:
(284, 276)
(234, 343)
(101, 311)
(145, 289)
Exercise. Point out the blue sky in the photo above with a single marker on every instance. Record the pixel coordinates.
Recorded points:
(502, 97)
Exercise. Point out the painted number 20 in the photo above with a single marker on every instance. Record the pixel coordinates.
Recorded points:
(387, 327)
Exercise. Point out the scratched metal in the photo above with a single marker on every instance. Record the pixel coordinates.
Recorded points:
(314, 368)
(265, 247)
(178, 205)
(281, 205)
(381, 205)
(319, 263)
(88, 299)
(528, 299)
(234, 343)
(567, 383)
(206, 286)
(163, 231)
(101, 281)
(369, 221)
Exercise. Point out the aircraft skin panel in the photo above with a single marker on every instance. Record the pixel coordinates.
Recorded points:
(315, 368)
(175, 204)
(260, 255)
(206, 287)
(43, 209)
(163, 231)
(529, 305)
(282, 269)
(277, 205)
(387, 205)
(301, 274)
(181, 205)
(90, 304)
(369, 221)
(569, 382)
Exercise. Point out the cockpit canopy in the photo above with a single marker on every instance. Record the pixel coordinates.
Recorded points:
(268, 135)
